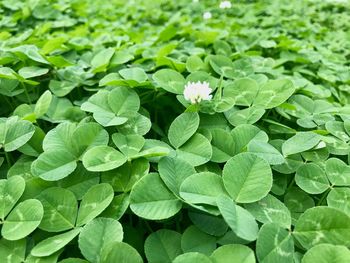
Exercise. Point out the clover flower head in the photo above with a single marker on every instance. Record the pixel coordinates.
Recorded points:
(195, 92)
(207, 15)
(225, 4)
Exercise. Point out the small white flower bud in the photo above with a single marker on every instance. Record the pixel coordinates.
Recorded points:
(225, 4)
(195, 92)
(207, 15)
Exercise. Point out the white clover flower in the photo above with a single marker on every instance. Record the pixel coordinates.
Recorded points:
(195, 92)
(207, 15)
(225, 4)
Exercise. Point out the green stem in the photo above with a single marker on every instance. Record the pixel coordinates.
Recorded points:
(218, 93)
(324, 195)
(79, 92)
(26, 93)
(8, 102)
(8, 159)
(148, 227)
(291, 184)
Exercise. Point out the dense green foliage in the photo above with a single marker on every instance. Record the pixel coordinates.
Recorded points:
(104, 159)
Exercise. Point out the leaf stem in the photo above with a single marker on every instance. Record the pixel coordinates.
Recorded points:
(8, 159)
(218, 93)
(26, 93)
(291, 184)
(8, 102)
(148, 226)
(324, 195)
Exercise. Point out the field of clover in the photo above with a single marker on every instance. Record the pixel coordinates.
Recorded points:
(174, 131)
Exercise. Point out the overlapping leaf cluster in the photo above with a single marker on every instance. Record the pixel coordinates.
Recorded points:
(103, 159)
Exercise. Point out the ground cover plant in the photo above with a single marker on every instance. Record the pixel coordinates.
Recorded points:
(174, 131)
